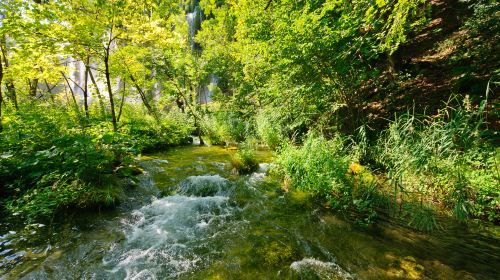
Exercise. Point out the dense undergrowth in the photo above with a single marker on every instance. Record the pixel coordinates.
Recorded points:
(328, 84)
(416, 168)
(52, 159)
(301, 77)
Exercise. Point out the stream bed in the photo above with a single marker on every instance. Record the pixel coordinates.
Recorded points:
(191, 218)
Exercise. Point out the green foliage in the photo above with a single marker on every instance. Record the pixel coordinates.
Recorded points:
(484, 17)
(421, 217)
(319, 166)
(433, 164)
(406, 16)
(476, 50)
(325, 168)
(151, 134)
(443, 161)
(304, 61)
(244, 161)
(74, 172)
(269, 129)
(46, 166)
(49, 162)
(215, 132)
(296, 67)
(221, 126)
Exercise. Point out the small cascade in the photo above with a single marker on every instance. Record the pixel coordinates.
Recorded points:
(164, 237)
(205, 185)
(151, 168)
(264, 167)
(260, 175)
(255, 178)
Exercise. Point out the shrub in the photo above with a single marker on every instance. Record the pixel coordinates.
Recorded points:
(268, 128)
(431, 163)
(151, 134)
(214, 131)
(53, 161)
(77, 170)
(244, 161)
(326, 168)
(319, 166)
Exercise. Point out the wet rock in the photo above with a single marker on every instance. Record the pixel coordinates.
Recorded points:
(309, 268)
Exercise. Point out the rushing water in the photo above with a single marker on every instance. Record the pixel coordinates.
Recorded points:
(190, 218)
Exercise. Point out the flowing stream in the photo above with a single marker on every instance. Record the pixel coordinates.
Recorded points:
(191, 218)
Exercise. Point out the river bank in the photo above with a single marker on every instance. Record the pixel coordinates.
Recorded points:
(190, 218)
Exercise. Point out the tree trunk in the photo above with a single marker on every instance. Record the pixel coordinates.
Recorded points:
(180, 104)
(12, 93)
(49, 90)
(1, 95)
(85, 89)
(98, 92)
(191, 109)
(33, 86)
(9, 84)
(110, 91)
(123, 101)
(144, 98)
(72, 94)
(394, 61)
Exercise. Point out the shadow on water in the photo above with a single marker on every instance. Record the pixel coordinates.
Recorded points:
(191, 219)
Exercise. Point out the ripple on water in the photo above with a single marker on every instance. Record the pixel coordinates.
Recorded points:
(153, 166)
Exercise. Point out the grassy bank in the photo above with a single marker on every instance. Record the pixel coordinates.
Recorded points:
(418, 167)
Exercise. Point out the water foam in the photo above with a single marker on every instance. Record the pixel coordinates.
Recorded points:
(162, 238)
(204, 185)
(264, 167)
(256, 177)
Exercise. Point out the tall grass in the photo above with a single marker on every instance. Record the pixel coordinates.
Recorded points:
(421, 165)
(328, 169)
(442, 162)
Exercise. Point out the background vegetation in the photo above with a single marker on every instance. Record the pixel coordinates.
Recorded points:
(374, 106)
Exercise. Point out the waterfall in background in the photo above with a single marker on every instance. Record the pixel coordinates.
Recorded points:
(206, 91)
(194, 18)
(78, 77)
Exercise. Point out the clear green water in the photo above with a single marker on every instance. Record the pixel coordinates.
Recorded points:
(192, 219)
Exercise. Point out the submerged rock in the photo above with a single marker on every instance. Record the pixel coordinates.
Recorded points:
(309, 268)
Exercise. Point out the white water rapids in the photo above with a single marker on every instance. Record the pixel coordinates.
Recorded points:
(163, 238)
